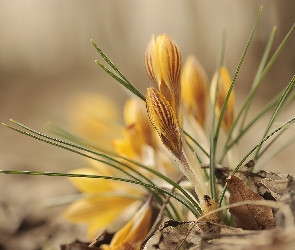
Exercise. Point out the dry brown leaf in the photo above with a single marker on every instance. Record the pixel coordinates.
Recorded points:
(249, 217)
(270, 186)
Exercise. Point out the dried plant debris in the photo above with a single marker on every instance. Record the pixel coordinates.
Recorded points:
(187, 236)
(103, 238)
(249, 216)
(175, 235)
(77, 245)
(289, 199)
(211, 219)
(271, 186)
(254, 240)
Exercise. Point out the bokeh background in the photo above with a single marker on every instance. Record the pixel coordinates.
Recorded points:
(47, 60)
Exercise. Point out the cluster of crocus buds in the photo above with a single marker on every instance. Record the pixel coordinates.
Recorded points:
(163, 65)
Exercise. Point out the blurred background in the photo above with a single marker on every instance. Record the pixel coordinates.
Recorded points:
(47, 60)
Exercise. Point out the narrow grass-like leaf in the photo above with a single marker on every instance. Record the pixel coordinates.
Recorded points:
(122, 79)
(57, 142)
(264, 111)
(151, 170)
(287, 123)
(213, 137)
(235, 77)
(275, 138)
(263, 74)
(257, 79)
(126, 85)
(278, 51)
(160, 175)
(195, 142)
(277, 111)
(137, 182)
(274, 152)
(233, 83)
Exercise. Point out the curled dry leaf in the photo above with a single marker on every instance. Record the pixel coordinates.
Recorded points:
(250, 217)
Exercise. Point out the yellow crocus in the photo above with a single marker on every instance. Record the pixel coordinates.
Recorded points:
(95, 118)
(132, 235)
(163, 118)
(224, 83)
(138, 132)
(104, 200)
(194, 83)
(163, 65)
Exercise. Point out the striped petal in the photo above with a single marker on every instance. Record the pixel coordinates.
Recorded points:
(163, 65)
(164, 120)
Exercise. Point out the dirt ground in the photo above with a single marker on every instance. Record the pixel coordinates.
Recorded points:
(39, 79)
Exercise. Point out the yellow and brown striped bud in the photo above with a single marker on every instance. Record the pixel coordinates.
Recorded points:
(163, 65)
(165, 122)
(194, 84)
(224, 83)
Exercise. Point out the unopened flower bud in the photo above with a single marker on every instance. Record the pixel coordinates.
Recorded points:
(194, 83)
(163, 65)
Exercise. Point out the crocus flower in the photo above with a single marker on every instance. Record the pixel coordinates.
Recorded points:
(224, 83)
(138, 133)
(194, 84)
(132, 235)
(104, 200)
(163, 65)
(95, 118)
(163, 118)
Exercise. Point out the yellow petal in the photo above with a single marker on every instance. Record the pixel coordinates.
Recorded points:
(122, 147)
(164, 120)
(101, 186)
(95, 118)
(88, 185)
(194, 83)
(223, 87)
(135, 115)
(97, 212)
(152, 62)
(131, 236)
(170, 63)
